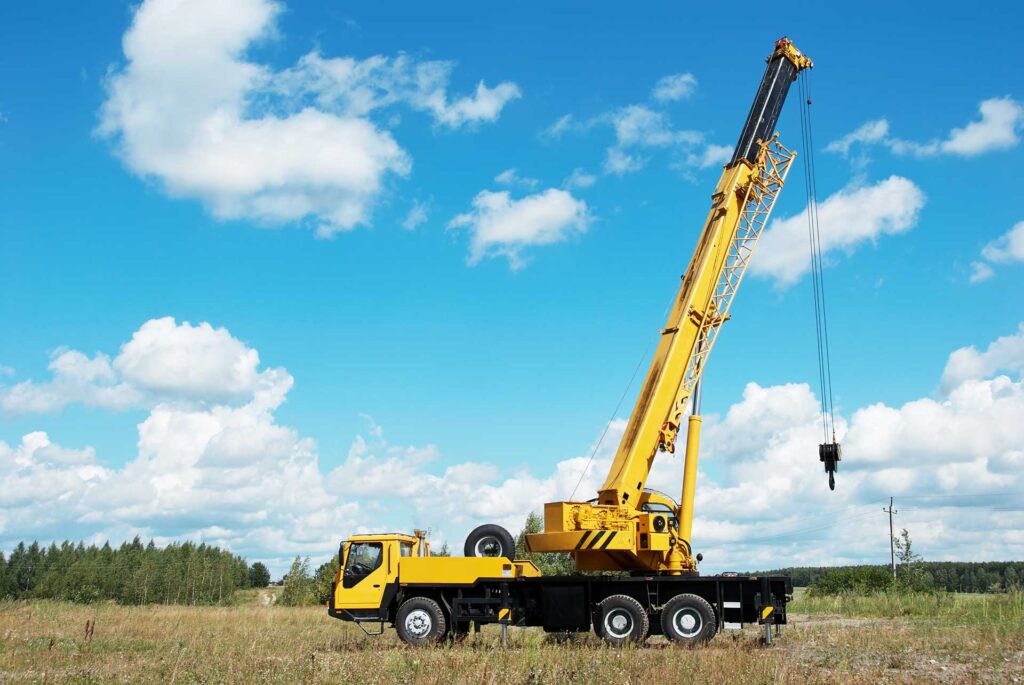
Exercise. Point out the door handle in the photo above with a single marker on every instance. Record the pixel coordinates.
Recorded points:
(377, 585)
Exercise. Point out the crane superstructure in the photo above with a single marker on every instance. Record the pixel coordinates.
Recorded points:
(629, 528)
(623, 529)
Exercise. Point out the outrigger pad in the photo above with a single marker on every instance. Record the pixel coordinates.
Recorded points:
(830, 454)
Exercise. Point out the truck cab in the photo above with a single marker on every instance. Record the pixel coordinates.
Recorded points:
(368, 568)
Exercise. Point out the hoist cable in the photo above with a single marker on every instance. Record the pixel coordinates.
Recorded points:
(821, 271)
(814, 262)
(615, 413)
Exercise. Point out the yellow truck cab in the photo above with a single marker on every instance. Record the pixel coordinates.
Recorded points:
(392, 578)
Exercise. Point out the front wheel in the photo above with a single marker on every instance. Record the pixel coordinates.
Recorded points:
(688, 620)
(420, 622)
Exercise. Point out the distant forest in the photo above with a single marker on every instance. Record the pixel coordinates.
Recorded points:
(951, 576)
(134, 573)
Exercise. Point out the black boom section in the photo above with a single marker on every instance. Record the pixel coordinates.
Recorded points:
(764, 114)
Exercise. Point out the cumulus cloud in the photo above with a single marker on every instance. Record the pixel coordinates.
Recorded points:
(850, 217)
(189, 110)
(502, 226)
(232, 475)
(163, 360)
(674, 87)
(997, 128)
(1005, 354)
(211, 456)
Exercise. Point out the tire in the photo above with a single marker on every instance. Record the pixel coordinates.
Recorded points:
(621, 620)
(490, 540)
(688, 620)
(420, 622)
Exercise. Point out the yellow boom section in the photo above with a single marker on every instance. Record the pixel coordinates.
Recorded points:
(740, 207)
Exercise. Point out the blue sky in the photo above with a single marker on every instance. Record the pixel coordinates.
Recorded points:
(223, 172)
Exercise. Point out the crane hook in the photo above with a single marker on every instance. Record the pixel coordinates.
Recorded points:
(830, 454)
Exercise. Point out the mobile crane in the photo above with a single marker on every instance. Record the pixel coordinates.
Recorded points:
(636, 531)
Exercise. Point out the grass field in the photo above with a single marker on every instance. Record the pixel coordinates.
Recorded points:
(943, 638)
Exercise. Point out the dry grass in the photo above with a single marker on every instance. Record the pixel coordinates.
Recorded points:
(47, 642)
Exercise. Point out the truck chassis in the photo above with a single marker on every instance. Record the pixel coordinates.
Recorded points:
(578, 603)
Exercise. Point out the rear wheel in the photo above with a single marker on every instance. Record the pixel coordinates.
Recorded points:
(420, 622)
(490, 540)
(688, 620)
(621, 620)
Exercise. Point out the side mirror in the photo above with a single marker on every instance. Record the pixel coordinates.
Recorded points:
(700, 557)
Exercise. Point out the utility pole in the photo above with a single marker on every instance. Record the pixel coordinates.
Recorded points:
(892, 540)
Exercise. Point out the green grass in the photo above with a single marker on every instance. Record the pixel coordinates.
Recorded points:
(949, 638)
(940, 606)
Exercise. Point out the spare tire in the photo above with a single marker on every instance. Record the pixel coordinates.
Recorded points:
(490, 540)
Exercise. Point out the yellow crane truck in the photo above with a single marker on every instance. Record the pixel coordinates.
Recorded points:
(641, 535)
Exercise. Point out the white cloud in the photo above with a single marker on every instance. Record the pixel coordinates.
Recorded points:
(997, 129)
(188, 110)
(638, 127)
(714, 155)
(501, 226)
(222, 471)
(564, 124)
(77, 379)
(418, 214)
(674, 87)
(579, 179)
(967, 363)
(848, 218)
(1001, 118)
(869, 132)
(1007, 248)
(164, 361)
(980, 271)
(511, 177)
(232, 475)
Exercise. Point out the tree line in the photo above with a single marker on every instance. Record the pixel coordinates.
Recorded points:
(134, 573)
(951, 576)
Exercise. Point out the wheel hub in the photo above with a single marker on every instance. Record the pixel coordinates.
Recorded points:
(618, 623)
(488, 546)
(418, 623)
(688, 622)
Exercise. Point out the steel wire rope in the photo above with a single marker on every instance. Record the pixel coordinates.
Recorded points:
(821, 271)
(618, 406)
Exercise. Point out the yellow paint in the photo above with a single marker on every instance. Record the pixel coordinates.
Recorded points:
(463, 570)
(504, 614)
(766, 612)
(689, 478)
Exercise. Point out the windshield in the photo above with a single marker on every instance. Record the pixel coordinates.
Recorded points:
(363, 558)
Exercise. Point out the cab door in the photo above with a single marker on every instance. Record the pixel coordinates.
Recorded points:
(364, 576)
